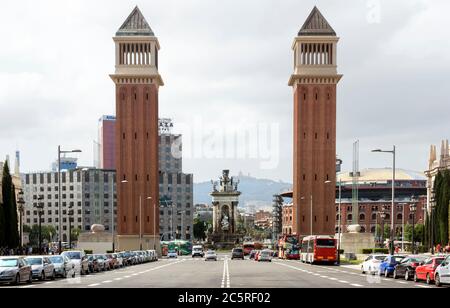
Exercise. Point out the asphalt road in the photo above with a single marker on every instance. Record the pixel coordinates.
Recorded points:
(186, 272)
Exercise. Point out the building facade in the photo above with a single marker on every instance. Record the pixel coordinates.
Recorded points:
(435, 164)
(90, 193)
(137, 83)
(375, 195)
(314, 84)
(107, 142)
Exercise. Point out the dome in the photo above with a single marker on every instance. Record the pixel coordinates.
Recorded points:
(383, 175)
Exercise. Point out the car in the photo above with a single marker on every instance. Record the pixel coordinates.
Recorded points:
(94, 265)
(63, 266)
(119, 259)
(210, 255)
(113, 264)
(15, 270)
(372, 263)
(427, 270)
(388, 265)
(127, 258)
(41, 267)
(153, 255)
(197, 251)
(78, 258)
(172, 254)
(442, 274)
(407, 267)
(102, 261)
(237, 253)
(265, 256)
(252, 254)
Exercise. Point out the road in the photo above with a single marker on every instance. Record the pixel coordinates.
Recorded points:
(186, 272)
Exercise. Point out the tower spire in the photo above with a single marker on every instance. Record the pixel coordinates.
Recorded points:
(135, 25)
(316, 24)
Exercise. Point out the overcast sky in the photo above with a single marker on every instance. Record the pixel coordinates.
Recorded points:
(225, 63)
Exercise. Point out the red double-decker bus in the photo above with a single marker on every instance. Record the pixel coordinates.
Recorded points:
(318, 249)
(248, 247)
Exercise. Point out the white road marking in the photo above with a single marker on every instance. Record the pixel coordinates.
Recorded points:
(118, 279)
(420, 286)
(107, 281)
(356, 285)
(49, 282)
(402, 282)
(94, 285)
(226, 275)
(26, 287)
(343, 281)
(126, 276)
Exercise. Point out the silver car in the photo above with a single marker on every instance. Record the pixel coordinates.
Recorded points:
(63, 266)
(265, 256)
(210, 255)
(41, 268)
(78, 258)
(15, 270)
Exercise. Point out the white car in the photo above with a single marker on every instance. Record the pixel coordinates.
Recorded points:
(42, 268)
(172, 254)
(265, 256)
(211, 255)
(197, 251)
(371, 264)
(442, 274)
(78, 258)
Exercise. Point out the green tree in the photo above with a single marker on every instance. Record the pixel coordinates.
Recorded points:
(441, 212)
(2, 226)
(74, 234)
(199, 229)
(11, 230)
(48, 232)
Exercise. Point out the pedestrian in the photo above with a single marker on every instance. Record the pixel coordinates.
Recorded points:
(397, 249)
(438, 248)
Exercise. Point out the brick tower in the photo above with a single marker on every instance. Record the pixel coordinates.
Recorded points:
(314, 83)
(137, 83)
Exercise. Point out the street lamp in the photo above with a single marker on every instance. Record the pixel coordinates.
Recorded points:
(413, 208)
(383, 217)
(59, 193)
(70, 214)
(393, 152)
(154, 223)
(40, 208)
(21, 207)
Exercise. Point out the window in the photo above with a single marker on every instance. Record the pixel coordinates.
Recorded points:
(362, 217)
(349, 217)
(399, 216)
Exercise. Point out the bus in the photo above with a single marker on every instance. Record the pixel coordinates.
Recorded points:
(318, 249)
(248, 247)
(182, 247)
(288, 247)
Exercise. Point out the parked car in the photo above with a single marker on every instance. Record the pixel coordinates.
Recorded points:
(427, 269)
(15, 270)
(112, 261)
(102, 262)
(237, 253)
(127, 258)
(63, 266)
(372, 263)
(41, 267)
(407, 267)
(252, 254)
(388, 265)
(442, 274)
(210, 255)
(119, 259)
(265, 256)
(172, 254)
(94, 265)
(154, 255)
(197, 251)
(78, 258)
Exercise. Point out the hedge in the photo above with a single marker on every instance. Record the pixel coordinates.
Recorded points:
(368, 251)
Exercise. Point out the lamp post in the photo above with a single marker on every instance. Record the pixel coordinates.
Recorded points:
(383, 217)
(154, 222)
(413, 208)
(393, 152)
(59, 193)
(340, 223)
(21, 207)
(40, 208)
(70, 214)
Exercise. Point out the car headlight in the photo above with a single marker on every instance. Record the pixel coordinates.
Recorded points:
(8, 273)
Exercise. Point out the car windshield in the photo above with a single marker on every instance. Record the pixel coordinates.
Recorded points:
(211, 252)
(417, 259)
(8, 262)
(34, 261)
(74, 255)
(57, 259)
(100, 257)
(380, 258)
(239, 250)
(172, 251)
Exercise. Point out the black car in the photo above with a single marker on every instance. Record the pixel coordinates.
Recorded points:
(407, 267)
(237, 253)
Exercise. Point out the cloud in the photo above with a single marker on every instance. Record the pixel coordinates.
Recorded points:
(225, 62)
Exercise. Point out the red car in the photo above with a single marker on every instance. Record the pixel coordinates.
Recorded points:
(426, 271)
